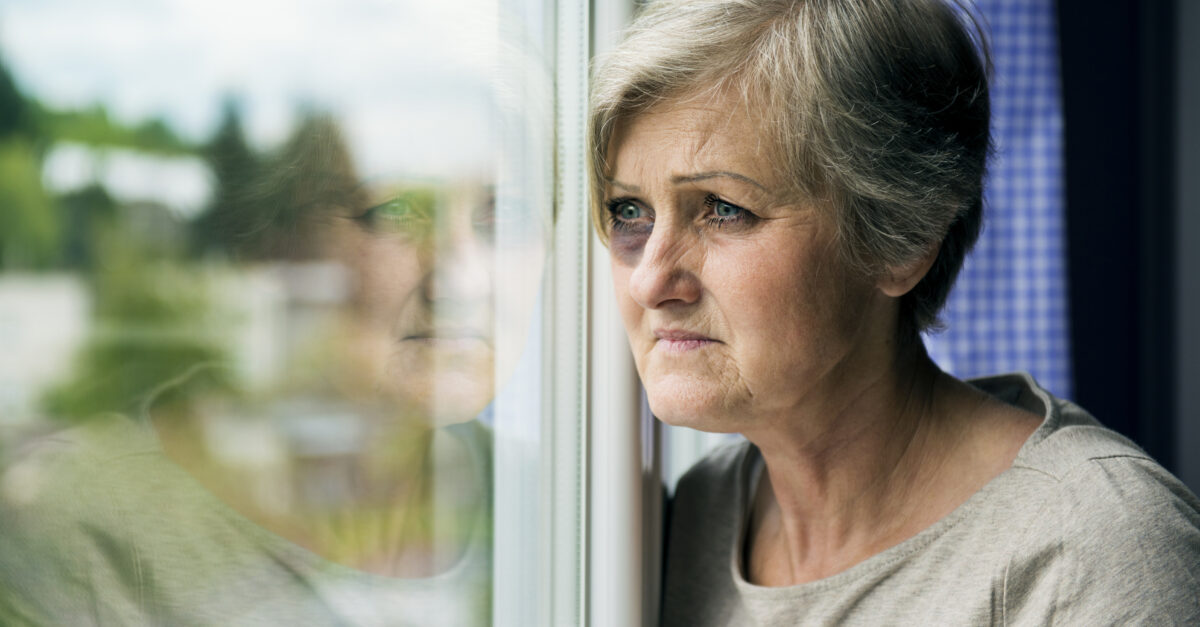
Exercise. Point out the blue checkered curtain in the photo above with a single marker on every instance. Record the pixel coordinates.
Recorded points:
(1008, 311)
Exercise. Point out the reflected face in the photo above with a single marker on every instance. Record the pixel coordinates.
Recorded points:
(424, 265)
(734, 299)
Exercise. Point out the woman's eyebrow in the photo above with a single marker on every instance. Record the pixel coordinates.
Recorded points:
(692, 178)
(625, 186)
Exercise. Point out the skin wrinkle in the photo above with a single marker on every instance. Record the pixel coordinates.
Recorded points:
(703, 176)
(667, 249)
(902, 468)
(735, 380)
(814, 74)
(625, 186)
(865, 441)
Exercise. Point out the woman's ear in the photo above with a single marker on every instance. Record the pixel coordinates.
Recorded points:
(899, 280)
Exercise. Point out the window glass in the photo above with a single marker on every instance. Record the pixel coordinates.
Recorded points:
(271, 308)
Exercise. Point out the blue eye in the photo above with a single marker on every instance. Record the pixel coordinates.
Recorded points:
(624, 214)
(725, 210)
(725, 214)
(628, 211)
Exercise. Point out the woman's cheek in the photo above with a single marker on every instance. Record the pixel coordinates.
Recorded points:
(388, 275)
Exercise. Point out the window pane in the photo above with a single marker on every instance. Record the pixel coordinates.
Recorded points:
(271, 308)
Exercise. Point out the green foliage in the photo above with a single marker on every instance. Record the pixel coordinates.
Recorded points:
(154, 323)
(94, 128)
(13, 109)
(30, 226)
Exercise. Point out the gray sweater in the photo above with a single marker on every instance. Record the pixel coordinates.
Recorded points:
(98, 527)
(1083, 529)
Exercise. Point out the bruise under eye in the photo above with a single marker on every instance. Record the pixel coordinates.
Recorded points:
(630, 226)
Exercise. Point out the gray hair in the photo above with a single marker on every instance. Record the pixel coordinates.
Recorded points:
(876, 110)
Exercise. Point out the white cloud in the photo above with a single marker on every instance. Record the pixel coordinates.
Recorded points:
(401, 74)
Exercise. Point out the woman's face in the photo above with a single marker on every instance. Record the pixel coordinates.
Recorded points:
(424, 262)
(734, 298)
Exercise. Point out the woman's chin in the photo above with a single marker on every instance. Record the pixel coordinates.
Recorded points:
(444, 405)
(443, 396)
(441, 382)
(695, 406)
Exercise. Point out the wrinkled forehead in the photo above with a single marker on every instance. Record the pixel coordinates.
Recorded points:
(705, 130)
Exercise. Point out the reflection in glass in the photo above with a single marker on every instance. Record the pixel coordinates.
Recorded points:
(271, 401)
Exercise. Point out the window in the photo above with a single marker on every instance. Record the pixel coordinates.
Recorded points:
(294, 305)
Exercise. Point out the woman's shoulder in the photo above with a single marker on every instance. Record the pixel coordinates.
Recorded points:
(56, 468)
(1108, 533)
(85, 486)
(1110, 496)
(59, 512)
(1070, 443)
(1113, 539)
(1083, 462)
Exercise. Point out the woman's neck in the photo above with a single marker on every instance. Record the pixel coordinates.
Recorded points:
(872, 466)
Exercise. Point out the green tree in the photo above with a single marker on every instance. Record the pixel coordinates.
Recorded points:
(13, 109)
(94, 127)
(237, 174)
(30, 226)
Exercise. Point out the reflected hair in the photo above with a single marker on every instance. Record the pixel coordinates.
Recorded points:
(875, 111)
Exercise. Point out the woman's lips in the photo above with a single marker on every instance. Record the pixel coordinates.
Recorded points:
(680, 341)
(446, 339)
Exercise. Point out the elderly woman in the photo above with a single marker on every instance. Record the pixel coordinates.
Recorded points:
(788, 189)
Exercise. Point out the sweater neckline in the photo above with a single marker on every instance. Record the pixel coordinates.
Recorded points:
(1017, 389)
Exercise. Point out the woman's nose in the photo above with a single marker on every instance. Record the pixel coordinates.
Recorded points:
(460, 265)
(663, 276)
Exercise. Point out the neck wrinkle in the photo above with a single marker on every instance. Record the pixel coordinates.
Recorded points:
(825, 488)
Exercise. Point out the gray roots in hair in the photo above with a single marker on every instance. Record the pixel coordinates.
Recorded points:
(874, 110)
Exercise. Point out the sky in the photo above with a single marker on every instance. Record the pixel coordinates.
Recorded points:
(408, 78)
